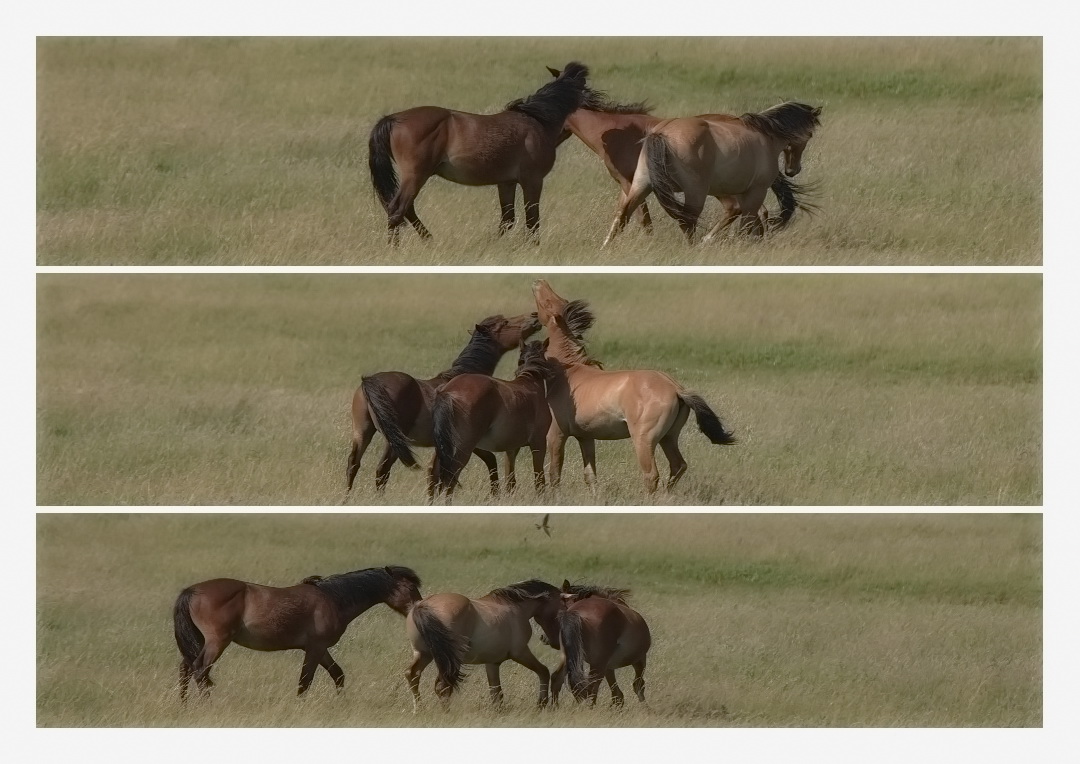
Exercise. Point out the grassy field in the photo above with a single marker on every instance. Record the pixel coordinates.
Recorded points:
(843, 389)
(253, 151)
(757, 620)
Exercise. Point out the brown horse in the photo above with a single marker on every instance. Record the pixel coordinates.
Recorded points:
(310, 616)
(591, 404)
(731, 158)
(600, 629)
(615, 132)
(399, 405)
(473, 411)
(453, 630)
(515, 147)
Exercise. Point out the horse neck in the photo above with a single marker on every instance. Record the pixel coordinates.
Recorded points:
(480, 356)
(350, 607)
(562, 348)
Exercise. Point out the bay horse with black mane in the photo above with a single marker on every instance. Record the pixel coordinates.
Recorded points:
(310, 616)
(590, 403)
(515, 147)
(615, 132)
(473, 411)
(731, 158)
(399, 405)
(600, 629)
(453, 630)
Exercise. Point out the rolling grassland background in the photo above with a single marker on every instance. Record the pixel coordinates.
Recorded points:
(249, 151)
(843, 389)
(757, 620)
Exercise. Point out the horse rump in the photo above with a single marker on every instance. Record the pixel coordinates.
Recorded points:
(707, 420)
(447, 648)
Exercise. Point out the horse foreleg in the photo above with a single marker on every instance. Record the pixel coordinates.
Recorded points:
(530, 190)
(492, 465)
(537, 450)
(617, 697)
(556, 446)
(334, 670)
(506, 206)
(731, 214)
(412, 675)
(307, 671)
(588, 459)
(511, 474)
(525, 658)
(646, 218)
(494, 683)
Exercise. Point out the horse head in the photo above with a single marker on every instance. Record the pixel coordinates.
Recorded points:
(405, 589)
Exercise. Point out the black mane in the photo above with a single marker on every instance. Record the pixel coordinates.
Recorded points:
(481, 355)
(523, 590)
(533, 363)
(552, 103)
(789, 121)
(374, 584)
(607, 592)
(598, 100)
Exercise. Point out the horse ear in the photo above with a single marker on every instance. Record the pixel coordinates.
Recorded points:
(554, 72)
(565, 585)
(817, 111)
(387, 569)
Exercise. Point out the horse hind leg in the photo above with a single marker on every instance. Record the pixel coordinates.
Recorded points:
(312, 658)
(670, 444)
(492, 465)
(360, 441)
(412, 675)
(212, 650)
(494, 683)
(185, 678)
(382, 471)
(639, 680)
(617, 697)
(401, 208)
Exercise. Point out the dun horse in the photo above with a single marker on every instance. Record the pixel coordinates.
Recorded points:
(453, 630)
(399, 405)
(473, 411)
(310, 616)
(615, 131)
(731, 158)
(591, 404)
(600, 629)
(515, 147)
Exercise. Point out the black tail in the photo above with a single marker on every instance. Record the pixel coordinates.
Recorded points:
(188, 637)
(446, 439)
(657, 158)
(707, 421)
(446, 647)
(385, 416)
(791, 196)
(381, 160)
(573, 652)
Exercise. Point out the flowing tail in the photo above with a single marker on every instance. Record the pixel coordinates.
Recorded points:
(573, 652)
(657, 158)
(188, 637)
(791, 196)
(446, 648)
(381, 161)
(385, 415)
(446, 440)
(707, 420)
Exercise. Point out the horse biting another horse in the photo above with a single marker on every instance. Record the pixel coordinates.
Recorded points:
(601, 629)
(474, 411)
(589, 403)
(453, 630)
(515, 147)
(615, 132)
(399, 405)
(731, 158)
(310, 616)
